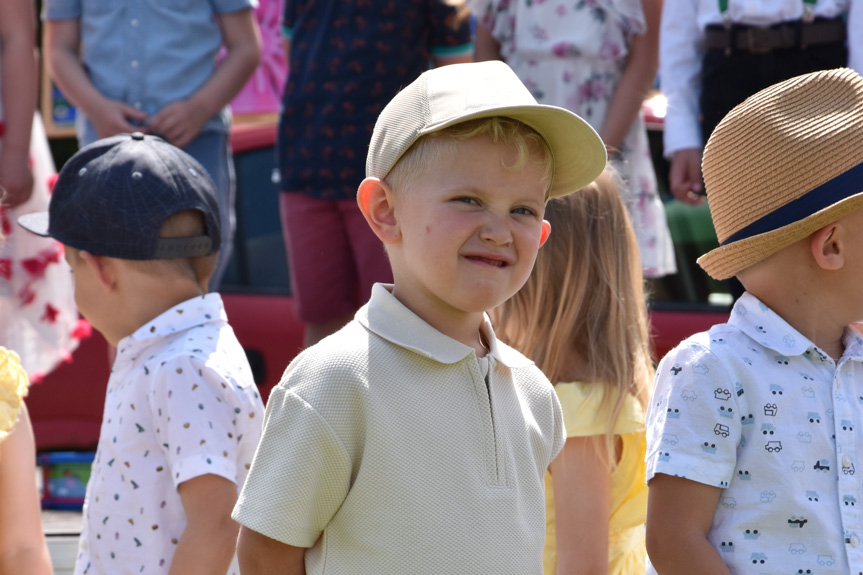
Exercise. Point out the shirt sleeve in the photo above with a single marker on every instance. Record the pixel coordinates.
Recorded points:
(300, 474)
(195, 415)
(450, 30)
(681, 49)
(227, 6)
(693, 429)
(855, 36)
(586, 411)
(289, 17)
(61, 9)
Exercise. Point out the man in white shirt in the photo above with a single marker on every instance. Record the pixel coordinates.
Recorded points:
(716, 53)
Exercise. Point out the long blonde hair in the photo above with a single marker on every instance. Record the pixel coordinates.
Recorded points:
(584, 302)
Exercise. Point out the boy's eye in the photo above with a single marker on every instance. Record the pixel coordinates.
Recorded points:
(467, 200)
(524, 211)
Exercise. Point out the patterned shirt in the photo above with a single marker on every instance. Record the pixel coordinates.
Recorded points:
(756, 409)
(348, 59)
(181, 403)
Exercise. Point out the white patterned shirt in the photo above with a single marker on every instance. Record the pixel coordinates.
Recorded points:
(181, 403)
(755, 408)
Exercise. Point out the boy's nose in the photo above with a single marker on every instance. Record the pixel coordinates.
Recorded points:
(497, 231)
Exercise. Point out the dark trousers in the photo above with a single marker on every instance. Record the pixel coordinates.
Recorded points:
(729, 78)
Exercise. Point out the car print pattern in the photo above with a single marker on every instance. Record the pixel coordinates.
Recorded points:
(776, 432)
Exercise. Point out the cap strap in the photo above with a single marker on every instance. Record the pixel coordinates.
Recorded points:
(183, 247)
(830, 192)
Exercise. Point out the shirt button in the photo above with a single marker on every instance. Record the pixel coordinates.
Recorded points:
(134, 22)
(846, 461)
(134, 63)
(855, 541)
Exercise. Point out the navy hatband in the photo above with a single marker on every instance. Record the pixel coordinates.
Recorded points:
(830, 192)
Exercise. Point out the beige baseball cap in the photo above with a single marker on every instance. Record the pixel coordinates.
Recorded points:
(453, 94)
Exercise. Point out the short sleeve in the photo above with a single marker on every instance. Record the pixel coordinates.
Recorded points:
(692, 428)
(61, 9)
(300, 474)
(195, 416)
(497, 16)
(586, 412)
(289, 17)
(227, 6)
(13, 388)
(450, 30)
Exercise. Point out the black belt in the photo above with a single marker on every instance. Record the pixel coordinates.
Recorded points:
(758, 40)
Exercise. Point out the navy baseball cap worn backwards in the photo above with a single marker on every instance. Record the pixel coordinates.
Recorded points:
(112, 197)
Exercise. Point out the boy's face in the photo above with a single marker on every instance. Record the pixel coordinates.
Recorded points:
(469, 231)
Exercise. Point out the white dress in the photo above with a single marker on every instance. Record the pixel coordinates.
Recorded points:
(38, 317)
(571, 54)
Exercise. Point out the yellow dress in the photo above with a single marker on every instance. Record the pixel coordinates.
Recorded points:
(13, 388)
(584, 416)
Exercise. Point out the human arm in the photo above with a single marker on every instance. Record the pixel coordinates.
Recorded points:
(638, 76)
(581, 523)
(679, 515)
(260, 555)
(22, 542)
(208, 541)
(62, 43)
(486, 46)
(181, 121)
(19, 80)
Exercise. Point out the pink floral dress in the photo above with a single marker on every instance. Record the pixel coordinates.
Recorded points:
(571, 53)
(38, 317)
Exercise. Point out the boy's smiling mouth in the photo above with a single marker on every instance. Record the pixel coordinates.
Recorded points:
(494, 262)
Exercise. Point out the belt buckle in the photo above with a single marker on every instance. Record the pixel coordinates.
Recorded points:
(752, 42)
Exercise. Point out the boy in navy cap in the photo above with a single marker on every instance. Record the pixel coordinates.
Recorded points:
(140, 222)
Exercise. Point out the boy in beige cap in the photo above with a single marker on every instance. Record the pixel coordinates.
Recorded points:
(412, 441)
(756, 426)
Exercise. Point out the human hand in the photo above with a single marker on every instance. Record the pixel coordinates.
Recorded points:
(179, 122)
(16, 179)
(112, 118)
(684, 177)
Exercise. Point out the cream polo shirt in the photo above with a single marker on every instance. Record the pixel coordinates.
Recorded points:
(181, 402)
(756, 409)
(386, 451)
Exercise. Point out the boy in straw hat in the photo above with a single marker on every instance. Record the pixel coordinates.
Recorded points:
(756, 427)
(412, 441)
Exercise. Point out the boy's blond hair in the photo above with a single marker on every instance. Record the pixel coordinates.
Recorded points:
(586, 296)
(429, 150)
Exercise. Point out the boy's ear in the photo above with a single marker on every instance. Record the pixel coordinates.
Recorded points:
(827, 248)
(546, 231)
(103, 268)
(376, 201)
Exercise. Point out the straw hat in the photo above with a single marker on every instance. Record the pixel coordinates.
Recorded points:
(783, 164)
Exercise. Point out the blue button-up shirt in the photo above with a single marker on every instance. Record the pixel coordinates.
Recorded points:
(149, 53)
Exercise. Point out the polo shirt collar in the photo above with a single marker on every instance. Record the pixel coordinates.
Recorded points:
(387, 317)
(758, 321)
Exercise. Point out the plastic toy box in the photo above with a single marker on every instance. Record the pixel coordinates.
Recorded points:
(65, 475)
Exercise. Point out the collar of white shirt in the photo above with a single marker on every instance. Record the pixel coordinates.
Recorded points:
(758, 321)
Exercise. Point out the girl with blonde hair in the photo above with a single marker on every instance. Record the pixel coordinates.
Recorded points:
(582, 318)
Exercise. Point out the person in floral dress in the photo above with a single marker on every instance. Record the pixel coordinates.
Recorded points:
(38, 318)
(597, 58)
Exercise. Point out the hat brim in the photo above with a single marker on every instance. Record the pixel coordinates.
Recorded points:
(578, 152)
(37, 223)
(729, 260)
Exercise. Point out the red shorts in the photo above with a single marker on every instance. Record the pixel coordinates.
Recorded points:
(333, 256)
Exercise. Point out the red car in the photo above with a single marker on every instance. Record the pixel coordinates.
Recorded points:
(66, 408)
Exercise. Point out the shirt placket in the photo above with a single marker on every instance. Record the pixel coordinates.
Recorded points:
(845, 423)
(493, 456)
(135, 54)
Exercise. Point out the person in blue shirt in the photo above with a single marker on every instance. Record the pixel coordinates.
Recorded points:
(151, 65)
